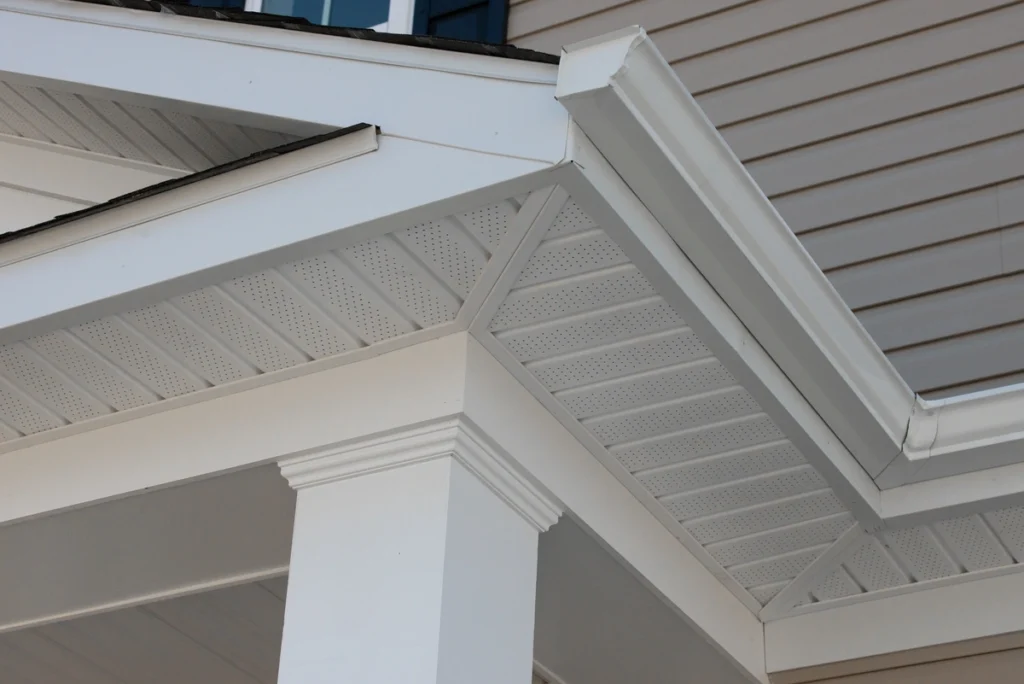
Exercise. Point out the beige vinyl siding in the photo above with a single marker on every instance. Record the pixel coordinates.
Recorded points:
(890, 136)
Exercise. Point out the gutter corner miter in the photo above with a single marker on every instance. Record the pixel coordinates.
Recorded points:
(589, 66)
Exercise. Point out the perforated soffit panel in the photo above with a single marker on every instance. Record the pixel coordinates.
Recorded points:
(163, 137)
(609, 355)
(396, 289)
(591, 329)
(653, 401)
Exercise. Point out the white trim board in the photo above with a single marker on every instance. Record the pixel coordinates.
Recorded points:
(278, 210)
(475, 102)
(930, 617)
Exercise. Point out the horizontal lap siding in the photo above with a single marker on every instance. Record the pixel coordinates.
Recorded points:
(890, 136)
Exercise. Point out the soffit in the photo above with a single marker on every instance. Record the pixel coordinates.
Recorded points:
(335, 306)
(67, 151)
(627, 374)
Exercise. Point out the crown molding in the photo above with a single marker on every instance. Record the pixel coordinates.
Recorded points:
(446, 438)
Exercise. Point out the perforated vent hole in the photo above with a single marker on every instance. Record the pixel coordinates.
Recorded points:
(179, 339)
(748, 493)
(685, 414)
(973, 543)
(554, 300)
(488, 224)
(279, 306)
(259, 346)
(385, 265)
(779, 541)
(571, 219)
(109, 337)
(766, 593)
(568, 256)
(591, 330)
(22, 415)
(774, 570)
(721, 469)
(1009, 525)
(712, 440)
(767, 517)
(920, 553)
(648, 389)
(440, 248)
(91, 371)
(837, 584)
(349, 298)
(45, 386)
(873, 568)
(621, 360)
(8, 433)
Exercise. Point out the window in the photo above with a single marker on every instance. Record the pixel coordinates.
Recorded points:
(392, 16)
(350, 13)
(478, 20)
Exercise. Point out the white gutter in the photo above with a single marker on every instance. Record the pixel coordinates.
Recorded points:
(960, 434)
(630, 103)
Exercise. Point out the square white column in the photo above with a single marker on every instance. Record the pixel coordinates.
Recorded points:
(414, 561)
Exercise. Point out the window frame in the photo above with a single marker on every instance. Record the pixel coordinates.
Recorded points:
(400, 15)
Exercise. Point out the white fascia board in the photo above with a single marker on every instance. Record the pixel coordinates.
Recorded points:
(145, 548)
(631, 104)
(930, 617)
(78, 175)
(452, 377)
(919, 503)
(325, 196)
(253, 73)
(235, 431)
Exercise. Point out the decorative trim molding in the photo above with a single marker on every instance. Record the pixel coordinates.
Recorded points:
(450, 437)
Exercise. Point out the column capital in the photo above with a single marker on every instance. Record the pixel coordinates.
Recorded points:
(454, 437)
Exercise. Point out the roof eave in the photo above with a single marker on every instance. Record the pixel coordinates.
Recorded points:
(631, 104)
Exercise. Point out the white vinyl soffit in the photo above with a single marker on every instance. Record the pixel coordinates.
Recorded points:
(397, 289)
(641, 389)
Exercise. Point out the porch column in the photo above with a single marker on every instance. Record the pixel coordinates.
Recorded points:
(414, 561)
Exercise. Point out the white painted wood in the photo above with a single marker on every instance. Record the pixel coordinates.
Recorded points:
(74, 174)
(104, 463)
(21, 208)
(649, 128)
(931, 617)
(146, 547)
(407, 91)
(285, 217)
(410, 542)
